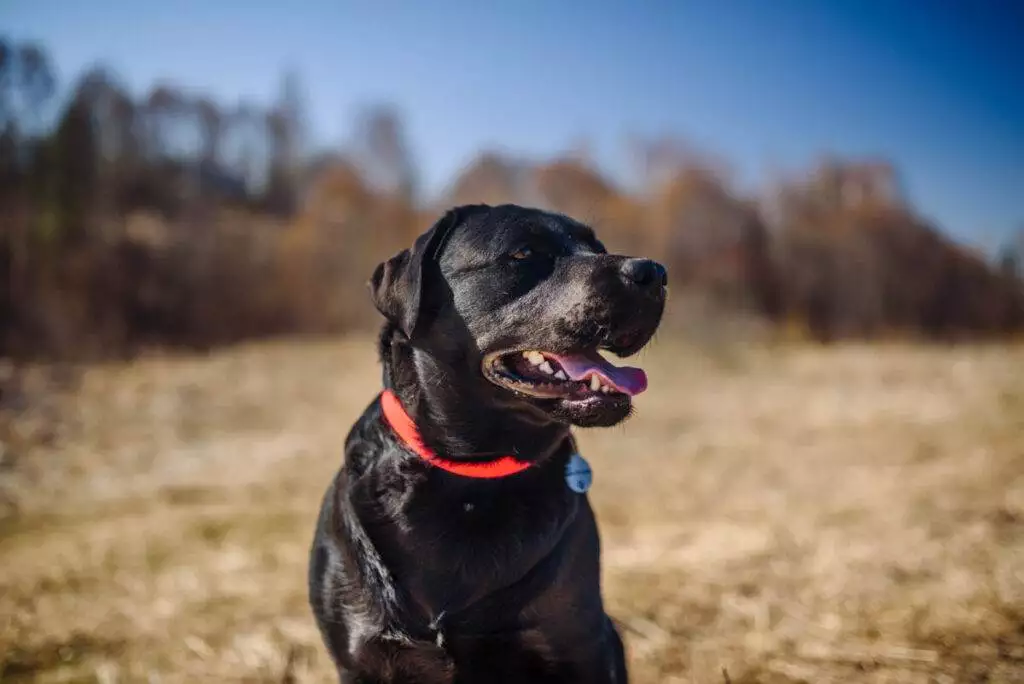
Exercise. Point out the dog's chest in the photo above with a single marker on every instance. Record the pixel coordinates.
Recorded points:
(483, 545)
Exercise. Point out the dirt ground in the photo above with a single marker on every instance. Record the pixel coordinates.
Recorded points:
(770, 515)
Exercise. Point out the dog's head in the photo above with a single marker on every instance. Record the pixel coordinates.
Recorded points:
(519, 302)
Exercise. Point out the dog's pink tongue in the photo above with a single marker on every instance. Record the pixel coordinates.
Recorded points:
(627, 380)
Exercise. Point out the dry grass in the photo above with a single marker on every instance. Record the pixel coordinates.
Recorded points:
(787, 515)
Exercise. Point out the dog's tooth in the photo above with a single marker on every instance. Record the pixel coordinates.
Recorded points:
(595, 383)
(560, 374)
(606, 389)
(546, 368)
(534, 357)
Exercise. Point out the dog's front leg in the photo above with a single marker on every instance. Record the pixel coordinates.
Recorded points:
(386, 662)
(617, 656)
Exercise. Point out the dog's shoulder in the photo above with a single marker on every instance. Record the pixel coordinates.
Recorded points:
(364, 441)
(354, 597)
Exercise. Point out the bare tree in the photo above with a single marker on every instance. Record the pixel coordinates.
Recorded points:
(1011, 255)
(285, 124)
(382, 152)
(27, 83)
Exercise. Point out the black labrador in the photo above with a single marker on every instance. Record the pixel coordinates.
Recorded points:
(457, 544)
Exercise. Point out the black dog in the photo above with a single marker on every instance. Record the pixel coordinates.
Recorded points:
(454, 546)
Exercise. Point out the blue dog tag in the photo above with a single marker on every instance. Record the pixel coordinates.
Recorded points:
(578, 474)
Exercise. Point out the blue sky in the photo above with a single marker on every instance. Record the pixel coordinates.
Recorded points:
(935, 85)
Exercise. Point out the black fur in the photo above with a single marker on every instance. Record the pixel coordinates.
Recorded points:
(419, 575)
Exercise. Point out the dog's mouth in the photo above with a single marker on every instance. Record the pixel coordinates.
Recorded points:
(548, 375)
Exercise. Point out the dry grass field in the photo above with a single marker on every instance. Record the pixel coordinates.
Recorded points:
(770, 515)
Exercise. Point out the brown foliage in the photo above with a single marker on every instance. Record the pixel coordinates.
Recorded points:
(120, 233)
(855, 260)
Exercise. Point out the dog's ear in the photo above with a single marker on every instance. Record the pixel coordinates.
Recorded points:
(397, 285)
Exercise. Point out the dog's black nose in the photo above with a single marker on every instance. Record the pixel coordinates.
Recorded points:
(644, 272)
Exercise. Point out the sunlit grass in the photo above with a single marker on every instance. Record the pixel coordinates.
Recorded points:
(791, 514)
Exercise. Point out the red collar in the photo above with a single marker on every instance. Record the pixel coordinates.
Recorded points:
(405, 428)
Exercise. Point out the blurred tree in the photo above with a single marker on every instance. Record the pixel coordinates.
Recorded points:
(75, 174)
(491, 178)
(212, 126)
(285, 127)
(655, 160)
(27, 83)
(247, 146)
(856, 261)
(382, 153)
(571, 187)
(162, 108)
(118, 155)
(159, 220)
(1011, 255)
(713, 240)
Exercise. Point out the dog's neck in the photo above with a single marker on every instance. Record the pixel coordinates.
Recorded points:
(428, 388)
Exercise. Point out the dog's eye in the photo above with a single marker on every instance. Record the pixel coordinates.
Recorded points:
(522, 253)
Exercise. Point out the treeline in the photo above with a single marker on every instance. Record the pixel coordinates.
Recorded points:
(173, 219)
